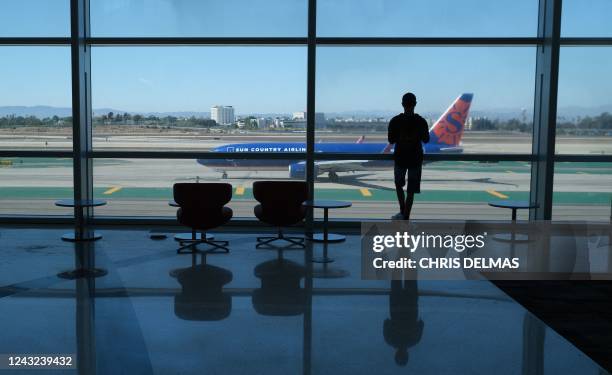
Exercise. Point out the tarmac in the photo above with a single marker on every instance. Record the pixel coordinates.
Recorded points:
(450, 189)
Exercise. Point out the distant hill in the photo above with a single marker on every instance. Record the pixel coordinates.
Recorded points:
(39, 111)
(575, 111)
(42, 111)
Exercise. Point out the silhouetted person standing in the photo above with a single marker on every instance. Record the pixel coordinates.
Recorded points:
(408, 131)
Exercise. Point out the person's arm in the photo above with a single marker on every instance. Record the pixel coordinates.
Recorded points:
(425, 134)
(392, 132)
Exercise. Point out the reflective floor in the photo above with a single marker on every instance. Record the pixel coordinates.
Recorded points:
(257, 312)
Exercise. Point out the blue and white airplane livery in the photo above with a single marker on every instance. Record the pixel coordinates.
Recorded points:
(445, 137)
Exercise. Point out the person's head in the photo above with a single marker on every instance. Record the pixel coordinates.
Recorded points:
(401, 357)
(409, 101)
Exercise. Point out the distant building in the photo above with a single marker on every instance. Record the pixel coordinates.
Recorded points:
(278, 123)
(319, 118)
(223, 115)
(299, 115)
(469, 123)
(263, 123)
(294, 124)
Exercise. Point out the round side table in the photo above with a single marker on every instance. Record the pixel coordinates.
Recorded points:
(326, 237)
(81, 232)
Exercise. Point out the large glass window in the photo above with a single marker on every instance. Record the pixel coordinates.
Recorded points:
(449, 189)
(35, 100)
(583, 191)
(195, 18)
(360, 88)
(197, 98)
(252, 98)
(584, 113)
(427, 18)
(586, 18)
(34, 18)
(30, 186)
(143, 187)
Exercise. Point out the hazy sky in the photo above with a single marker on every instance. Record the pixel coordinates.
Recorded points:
(273, 79)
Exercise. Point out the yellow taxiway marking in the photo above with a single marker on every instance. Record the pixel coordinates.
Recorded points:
(112, 190)
(240, 190)
(509, 171)
(497, 194)
(365, 192)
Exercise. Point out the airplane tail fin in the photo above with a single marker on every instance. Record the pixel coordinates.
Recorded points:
(448, 130)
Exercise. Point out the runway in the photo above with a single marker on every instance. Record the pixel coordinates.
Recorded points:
(450, 190)
(200, 141)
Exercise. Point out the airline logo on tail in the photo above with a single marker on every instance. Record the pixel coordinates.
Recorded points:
(448, 130)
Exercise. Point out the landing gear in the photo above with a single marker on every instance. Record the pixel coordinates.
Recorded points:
(224, 175)
(333, 176)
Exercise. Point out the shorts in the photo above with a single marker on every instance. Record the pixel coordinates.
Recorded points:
(414, 178)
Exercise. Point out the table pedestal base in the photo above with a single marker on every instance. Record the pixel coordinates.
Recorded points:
(331, 237)
(76, 237)
(323, 259)
(329, 273)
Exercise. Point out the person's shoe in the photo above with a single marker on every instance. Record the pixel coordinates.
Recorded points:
(398, 216)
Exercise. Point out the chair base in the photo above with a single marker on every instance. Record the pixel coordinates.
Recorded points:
(217, 246)
(293, 241)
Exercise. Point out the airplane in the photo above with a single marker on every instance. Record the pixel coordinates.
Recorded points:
(444, 137)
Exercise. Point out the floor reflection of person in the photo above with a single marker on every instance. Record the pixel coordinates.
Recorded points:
(404, 328)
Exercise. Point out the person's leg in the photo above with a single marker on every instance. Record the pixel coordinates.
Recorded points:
(413, 187)
(399, 175)
(401, 198)
(408, 204)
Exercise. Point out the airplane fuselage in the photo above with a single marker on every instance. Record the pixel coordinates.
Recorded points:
(266, 149)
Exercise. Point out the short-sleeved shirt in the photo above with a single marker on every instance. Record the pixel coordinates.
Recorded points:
(408, 132)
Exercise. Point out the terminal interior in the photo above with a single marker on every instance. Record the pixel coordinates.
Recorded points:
(107, 105)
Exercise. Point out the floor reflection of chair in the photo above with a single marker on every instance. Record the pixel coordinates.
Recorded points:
(280, 293)
(202, 297)
(404, 328)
